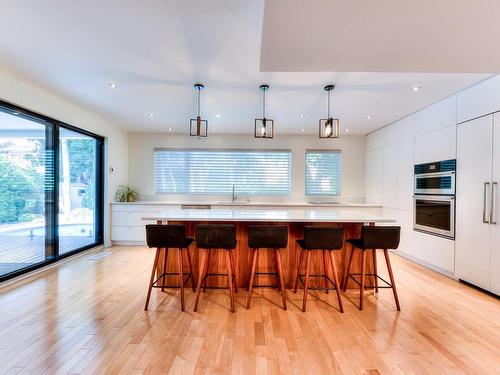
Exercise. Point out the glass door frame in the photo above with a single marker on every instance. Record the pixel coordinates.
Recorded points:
(52, 141)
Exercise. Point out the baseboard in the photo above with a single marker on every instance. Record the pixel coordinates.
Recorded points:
(432, 267)
(128, 243)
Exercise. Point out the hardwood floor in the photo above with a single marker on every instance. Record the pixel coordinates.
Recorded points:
(86, 316)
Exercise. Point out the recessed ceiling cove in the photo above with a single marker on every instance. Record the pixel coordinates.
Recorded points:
(427, 36)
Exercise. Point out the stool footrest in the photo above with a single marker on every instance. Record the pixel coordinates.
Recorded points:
(189, 276)
(386, 286)
(319, 288)
(204, 280)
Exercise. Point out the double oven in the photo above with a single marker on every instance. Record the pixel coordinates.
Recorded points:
(434, 198)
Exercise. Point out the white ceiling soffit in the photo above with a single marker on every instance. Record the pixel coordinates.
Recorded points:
(155, 53)
(435, 36)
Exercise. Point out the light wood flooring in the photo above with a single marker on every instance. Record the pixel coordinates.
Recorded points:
(86, 316)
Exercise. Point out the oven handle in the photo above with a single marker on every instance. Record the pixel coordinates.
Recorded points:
(485, 193)
(492, 206)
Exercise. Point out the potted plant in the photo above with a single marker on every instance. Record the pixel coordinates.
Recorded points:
(126, 193)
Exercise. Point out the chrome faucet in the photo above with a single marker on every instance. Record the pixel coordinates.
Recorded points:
(234, 195)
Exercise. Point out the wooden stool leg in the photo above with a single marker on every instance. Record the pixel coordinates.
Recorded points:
(230, 279)
(325, 271)
(308, 263)
(391, 276)
(190, 265)
(233, 268)
(375, 269)
(201, 275)
(276, 268)
(298, 271)
(333, 264)
(252, 276)
(280, 274)
(363, 272)
(181, 278)
(209, 257)
(164, 279)
(152, 279)
(346, 276)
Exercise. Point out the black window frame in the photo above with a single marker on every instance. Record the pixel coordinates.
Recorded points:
(52, 128)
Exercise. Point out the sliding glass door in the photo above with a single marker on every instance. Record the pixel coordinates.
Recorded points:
(77, 221)
(50, 190)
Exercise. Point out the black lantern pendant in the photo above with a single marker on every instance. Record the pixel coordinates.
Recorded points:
(329, 127)
(198, 127)
(264, 127)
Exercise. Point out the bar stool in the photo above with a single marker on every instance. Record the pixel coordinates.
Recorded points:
(373, 238)
(267, 237)
(325, 239)
(216, 237)
(165, 237)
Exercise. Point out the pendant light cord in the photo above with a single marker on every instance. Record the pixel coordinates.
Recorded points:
(328, 104)
(264, 103)
(199, 91)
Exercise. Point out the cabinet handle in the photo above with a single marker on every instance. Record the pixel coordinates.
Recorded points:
(485, 193)
(492, 206)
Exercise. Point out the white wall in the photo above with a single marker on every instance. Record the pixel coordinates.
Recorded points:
(16, 91)
(141, 147)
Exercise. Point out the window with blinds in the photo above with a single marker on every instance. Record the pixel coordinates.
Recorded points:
(323, 172)
(202, 171)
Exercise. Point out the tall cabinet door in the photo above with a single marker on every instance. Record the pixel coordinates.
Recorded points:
(474, 168)
(495, 228)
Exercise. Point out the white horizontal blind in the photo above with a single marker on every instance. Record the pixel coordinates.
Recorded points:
(199, 171)
(323, 172)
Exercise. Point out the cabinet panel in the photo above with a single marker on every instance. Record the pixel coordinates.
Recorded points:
(405, 220)
(474, 165)
(434, 250)
(374, 175)
(390, 193)
(400, 131)
(479, 100)
(495, 243)
(406, 157)
(375, 140)
(443, 114)
(436, 146)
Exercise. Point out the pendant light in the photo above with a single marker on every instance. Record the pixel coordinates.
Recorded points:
(197, 126)
(329, 127)
(264, 127)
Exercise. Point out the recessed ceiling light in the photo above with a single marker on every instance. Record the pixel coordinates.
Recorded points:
(170, 129)
(218, 116)
(112, 85)
(347, 130)
(369, 117)
(302, 116)
(151, 114)
(302, 130)
(15, 113)
(416, 88)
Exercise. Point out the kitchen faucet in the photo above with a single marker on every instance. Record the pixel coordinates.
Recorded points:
(234, 195)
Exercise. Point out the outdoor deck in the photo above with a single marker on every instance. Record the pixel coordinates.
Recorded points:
(17, 252)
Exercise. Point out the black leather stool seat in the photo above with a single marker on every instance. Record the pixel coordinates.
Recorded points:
(169, 236)
(216, 236)
(321, 237)
(373, 237)
(264, 236)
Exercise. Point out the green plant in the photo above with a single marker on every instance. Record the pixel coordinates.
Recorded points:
(126, 193)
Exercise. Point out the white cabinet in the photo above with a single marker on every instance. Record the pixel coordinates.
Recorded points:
(390, 185)
(495, 228)
(375, 139)
(436, 251)
(400, 130)
(479, 100)
(442, 114)
(474, 232)
(374, 175)
(406, 157)
(435, 146)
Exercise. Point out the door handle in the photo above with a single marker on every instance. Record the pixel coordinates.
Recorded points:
(485, 193)
(492, 206)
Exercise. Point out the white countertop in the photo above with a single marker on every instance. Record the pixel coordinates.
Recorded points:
(308, 215)
(251, 203)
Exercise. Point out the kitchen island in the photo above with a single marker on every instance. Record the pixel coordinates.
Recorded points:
(295, 220)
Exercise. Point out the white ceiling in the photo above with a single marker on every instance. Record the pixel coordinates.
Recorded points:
(155, 53)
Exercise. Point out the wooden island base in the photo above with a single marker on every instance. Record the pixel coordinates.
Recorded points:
(289, 258)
